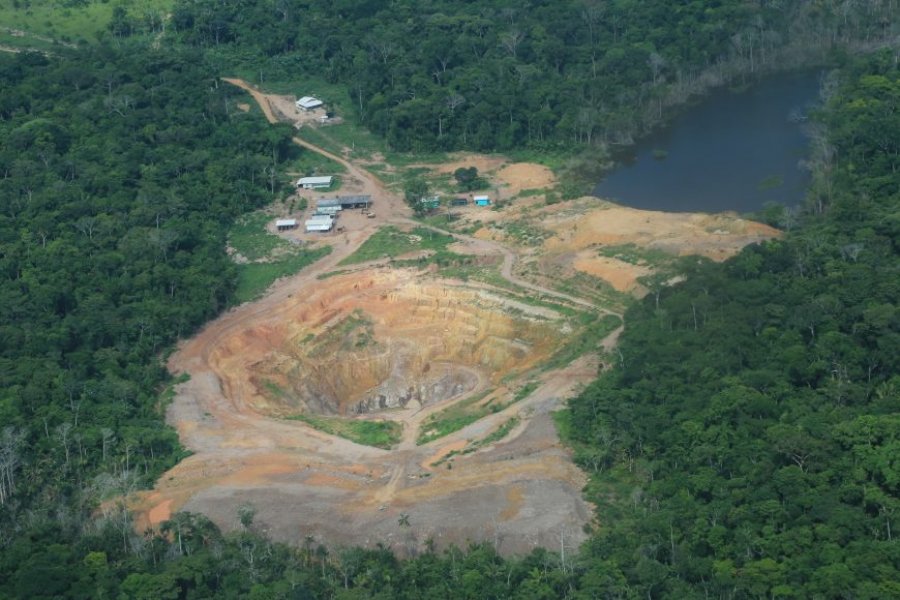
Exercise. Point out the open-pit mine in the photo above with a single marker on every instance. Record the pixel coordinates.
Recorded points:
(398, 404)
(373, 344)
(383, 345)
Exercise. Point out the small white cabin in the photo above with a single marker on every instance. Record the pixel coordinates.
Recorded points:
(315, 183)
(319, 223)
(308, 103)
(285, 224)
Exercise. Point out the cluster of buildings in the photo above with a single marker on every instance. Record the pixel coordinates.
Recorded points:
(327, 210)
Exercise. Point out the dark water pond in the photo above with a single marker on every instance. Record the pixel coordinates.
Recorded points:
(732, 151)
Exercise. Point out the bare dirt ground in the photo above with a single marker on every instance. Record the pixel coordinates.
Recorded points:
(519, 492)
(508, 178)
(568, 237)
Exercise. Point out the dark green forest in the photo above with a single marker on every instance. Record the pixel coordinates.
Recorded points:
(120, 172)
(541, 74)
(746, 444)
(752, 427)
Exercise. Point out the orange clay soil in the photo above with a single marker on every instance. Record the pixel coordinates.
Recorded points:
(402, 345)
(572, 235)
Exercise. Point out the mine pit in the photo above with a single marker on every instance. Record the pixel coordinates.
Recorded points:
(375, 344)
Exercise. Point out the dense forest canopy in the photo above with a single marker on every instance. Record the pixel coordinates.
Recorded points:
(500, 75)
(119, 172)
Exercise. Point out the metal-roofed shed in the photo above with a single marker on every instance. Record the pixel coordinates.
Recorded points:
(312, 183)
(308, 103)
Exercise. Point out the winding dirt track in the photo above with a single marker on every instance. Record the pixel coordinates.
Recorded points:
(518, 493)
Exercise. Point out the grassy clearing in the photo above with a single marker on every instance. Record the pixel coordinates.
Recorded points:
(62, 20)
(308, 164)
(255, 278)
(248, 236)
(381, 434)
(554, 160)
(390, 242)
(270, 256)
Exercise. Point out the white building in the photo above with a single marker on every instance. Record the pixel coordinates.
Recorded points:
(285, 224)
(314, 183)
(319, 223)
(308, 103)
(328, 210)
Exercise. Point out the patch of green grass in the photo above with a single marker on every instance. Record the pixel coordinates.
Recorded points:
(601, 293)
(248, 236)
(447, 425)
(464, 413)
(274, 390)
(552, 158)
(525, 233)
(525, 391)
(390, 241)
(331, 274)
(306, 163)
(71, 22)
(527, 193)
(168, 393)
(498, 434)
(439, 220)
(494, 436)
(270, 256)
(453, 418)
(255, 278)
(594, 329)
(636, 255)
(381, 434)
